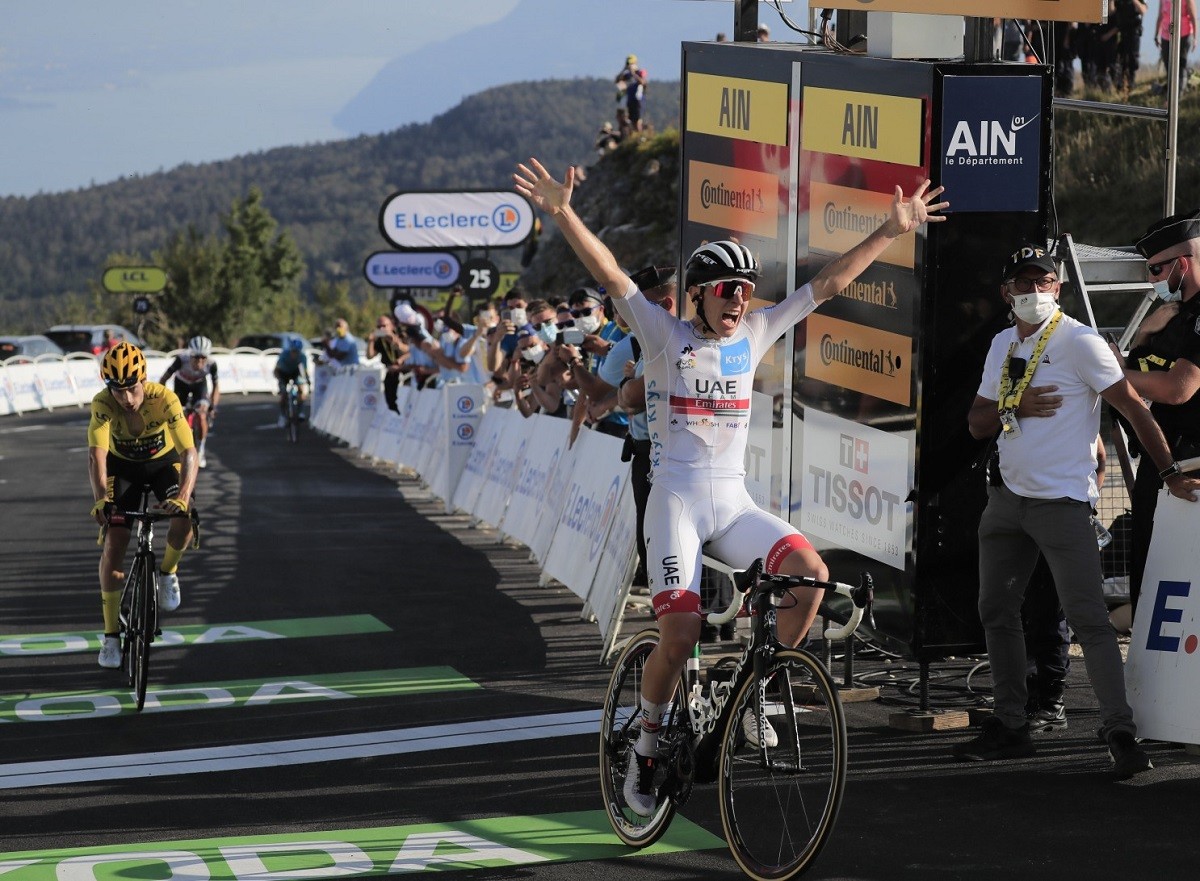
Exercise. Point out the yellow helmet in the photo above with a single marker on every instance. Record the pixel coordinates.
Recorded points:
(123, 366)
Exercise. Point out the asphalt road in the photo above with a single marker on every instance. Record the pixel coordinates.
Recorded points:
(358, 683)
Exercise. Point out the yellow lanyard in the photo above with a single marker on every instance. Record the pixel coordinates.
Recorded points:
(1010, 398)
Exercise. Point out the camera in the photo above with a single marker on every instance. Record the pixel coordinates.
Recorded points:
(572, 336)
(506, 314)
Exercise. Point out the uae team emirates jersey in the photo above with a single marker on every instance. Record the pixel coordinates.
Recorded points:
(698, 390)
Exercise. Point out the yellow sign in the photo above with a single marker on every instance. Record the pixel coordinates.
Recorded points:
(730, 107)
(134, 280)
(841, 217)
(733, 198)
(864, 125)
(865, 359)
(1042, 10)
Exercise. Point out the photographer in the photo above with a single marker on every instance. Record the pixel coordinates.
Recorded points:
(412, 326)
(393, 354)
(529, 353)
(503, 340)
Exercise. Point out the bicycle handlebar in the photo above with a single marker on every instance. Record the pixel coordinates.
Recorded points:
(754, 580)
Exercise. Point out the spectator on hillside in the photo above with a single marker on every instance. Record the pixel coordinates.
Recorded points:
(721, 37)
(624, 126)
(607, 140)
(342, 348)
(763, 35)
(1129, 26)
(632, 87)
(1187, 31)
(1065, 52)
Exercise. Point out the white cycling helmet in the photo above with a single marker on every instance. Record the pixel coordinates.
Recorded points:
(200, 345)
(717, 261)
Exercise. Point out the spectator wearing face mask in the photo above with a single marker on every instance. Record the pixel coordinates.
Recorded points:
(597, 398)
(343, 346)
(421, 363)
(529, 353)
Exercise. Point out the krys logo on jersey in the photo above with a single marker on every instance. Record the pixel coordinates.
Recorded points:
(992, 136)
(855, 482)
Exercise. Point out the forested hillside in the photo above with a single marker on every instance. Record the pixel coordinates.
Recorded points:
(325, 196)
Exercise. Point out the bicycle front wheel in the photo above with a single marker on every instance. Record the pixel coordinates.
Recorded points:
(143, 634)
(619, 730)
(131, 615)
(779, 802)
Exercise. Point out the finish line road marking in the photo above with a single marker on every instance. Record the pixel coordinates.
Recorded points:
(310, 750)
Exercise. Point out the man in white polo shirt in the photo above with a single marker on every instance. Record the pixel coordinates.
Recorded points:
(1039, 396)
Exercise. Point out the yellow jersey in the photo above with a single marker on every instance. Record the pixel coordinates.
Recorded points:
(165, 429)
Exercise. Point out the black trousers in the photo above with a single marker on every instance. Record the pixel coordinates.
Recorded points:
(639, 475)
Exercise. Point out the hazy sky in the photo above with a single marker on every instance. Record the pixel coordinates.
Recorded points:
(92, 90)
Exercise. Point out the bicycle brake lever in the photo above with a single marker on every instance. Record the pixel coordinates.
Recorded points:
(864, 598)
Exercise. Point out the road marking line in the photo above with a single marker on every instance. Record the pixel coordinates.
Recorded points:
(277, 753)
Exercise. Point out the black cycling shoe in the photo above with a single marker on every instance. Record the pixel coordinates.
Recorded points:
(995, 741)
(1127, 755)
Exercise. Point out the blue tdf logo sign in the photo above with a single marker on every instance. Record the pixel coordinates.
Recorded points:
(735, 358)
(1161, 614)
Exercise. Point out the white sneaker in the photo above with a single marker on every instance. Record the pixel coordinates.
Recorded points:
(203, 460)
(282, 421)
(750, 729)
(639, 784)
(168, 592)
(110, 653)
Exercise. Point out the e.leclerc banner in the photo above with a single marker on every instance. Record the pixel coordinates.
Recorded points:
(403, 269)
(431, 220)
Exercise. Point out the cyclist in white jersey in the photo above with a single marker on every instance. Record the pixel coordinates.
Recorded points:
(699, 374)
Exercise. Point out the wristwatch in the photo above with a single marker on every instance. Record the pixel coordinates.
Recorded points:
(1170, 471)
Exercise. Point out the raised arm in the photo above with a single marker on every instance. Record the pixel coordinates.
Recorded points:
(907, 215)
(553, 197)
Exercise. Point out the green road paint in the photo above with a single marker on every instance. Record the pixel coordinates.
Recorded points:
(66, 705)
(25, 645)
(389, 850)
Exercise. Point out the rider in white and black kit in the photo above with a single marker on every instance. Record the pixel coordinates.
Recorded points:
(193, 374)
(699, 374)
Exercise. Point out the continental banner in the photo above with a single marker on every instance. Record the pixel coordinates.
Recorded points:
(864, 125)
(735, 199)
(842, 217)
(874, 362)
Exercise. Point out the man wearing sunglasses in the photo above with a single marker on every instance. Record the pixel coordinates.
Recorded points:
(1038, 397)
(1164, 366)
(699, 376)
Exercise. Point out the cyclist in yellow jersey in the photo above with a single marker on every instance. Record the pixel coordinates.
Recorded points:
(137, 438)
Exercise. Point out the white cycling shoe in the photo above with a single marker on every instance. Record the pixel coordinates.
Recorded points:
(750, 729)
(110, 653)
(169, 596)
(639, 784)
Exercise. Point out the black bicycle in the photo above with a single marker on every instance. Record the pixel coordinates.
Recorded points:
(139, 598)
(780, 796)
(292, 415)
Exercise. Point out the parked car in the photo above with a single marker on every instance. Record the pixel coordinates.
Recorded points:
(89, 337)
(264, 341)
(27, 347)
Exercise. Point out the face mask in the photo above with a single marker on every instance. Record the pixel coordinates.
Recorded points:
(588, 323)
(534, 354)
(1162, 290)
(548, 332)
(341, 331)
(1034, 308)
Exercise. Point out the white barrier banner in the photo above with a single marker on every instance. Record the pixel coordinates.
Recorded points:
(531, 492)
(556, 497)
(500, 472)
(389, 450)
(462, 406)
(590, 504)
(415, 429)
(374, 437)
(1162, 673)
(470, 483)
(615, 569)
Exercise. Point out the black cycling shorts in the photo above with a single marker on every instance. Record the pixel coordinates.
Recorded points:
(192, 392)
(126, 481)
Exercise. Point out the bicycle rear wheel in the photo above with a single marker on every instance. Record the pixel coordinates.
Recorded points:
(779, 805)
(619, 730)
(293, 418)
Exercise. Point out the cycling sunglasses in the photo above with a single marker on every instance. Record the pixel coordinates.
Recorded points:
(565, 323)
(730, 288)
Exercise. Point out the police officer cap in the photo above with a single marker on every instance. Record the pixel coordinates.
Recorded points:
(580, 295)
(1168, 232)
(1028, 255)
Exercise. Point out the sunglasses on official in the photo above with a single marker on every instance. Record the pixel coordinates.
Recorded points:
(1026, 285)
(1158, 268)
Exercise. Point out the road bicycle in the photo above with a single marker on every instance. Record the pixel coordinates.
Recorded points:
(293, 405)
(779, 802)
(139, 596)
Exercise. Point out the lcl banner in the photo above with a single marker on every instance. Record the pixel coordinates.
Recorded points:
(433, 220)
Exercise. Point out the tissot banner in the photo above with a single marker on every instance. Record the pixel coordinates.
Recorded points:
(428, 221)
(991, 142)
